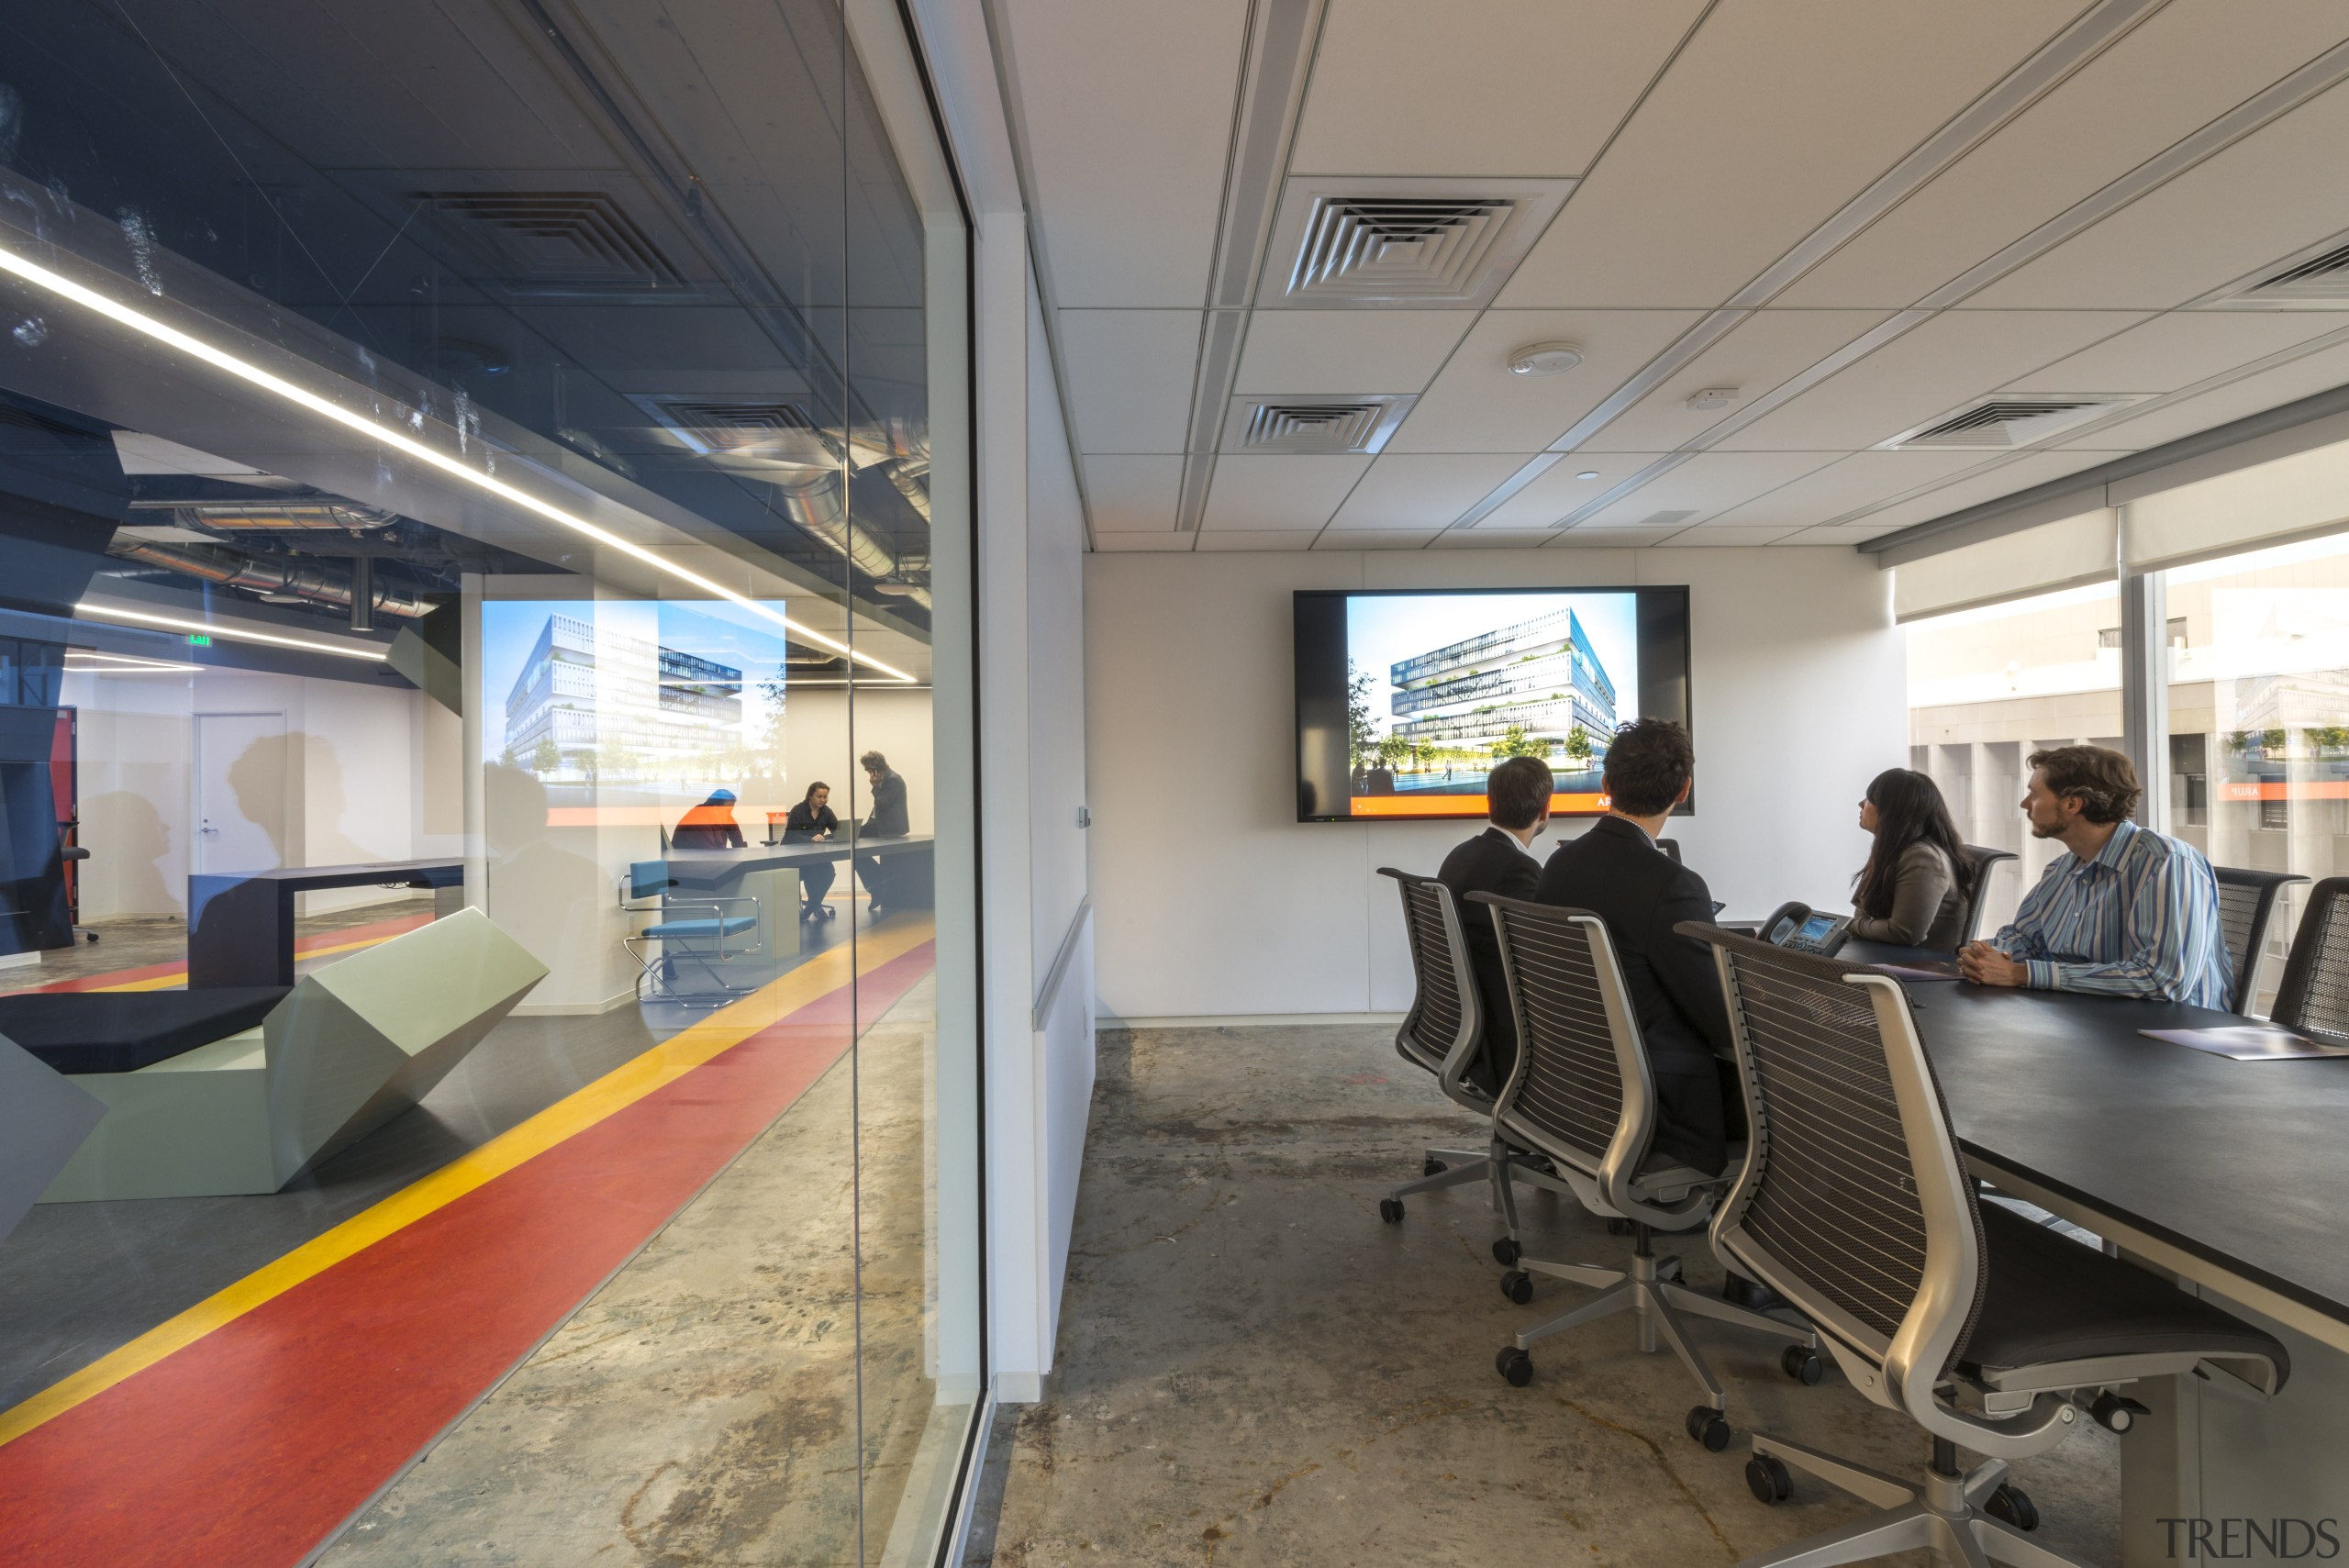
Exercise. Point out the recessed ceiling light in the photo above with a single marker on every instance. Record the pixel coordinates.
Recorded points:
(1587, 473)
(1546, 359)
(1712, 398)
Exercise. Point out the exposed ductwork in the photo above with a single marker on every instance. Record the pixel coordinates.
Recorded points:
(235, 568)
(911, 476)
(273, 517)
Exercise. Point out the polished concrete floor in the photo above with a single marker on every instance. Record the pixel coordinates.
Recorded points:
(1254, 1370)
(724, 1399)
(138, 941)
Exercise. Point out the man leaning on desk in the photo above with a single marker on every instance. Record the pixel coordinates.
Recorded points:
(2128, 912)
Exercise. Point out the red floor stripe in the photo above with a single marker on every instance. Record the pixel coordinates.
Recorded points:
(374, 931)
(244, 1450)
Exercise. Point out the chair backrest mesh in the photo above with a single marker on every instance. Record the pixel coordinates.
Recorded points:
(1833, 1198)
(1433, 1022)
(1980, 861)
(1570, 1084)
(2246, 905)
(2239, 919)
(2315, 993)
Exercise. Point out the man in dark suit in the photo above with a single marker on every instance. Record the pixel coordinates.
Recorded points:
(888, 821)
(1616, 871)
(1516, 801)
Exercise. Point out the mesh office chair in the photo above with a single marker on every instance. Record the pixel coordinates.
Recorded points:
(1982, 1328)
(2246, 904)
(2314, 997)
(1983, 860)
(1443, 1035)
(705, 935)
(1671, 847)
(1584, 1094)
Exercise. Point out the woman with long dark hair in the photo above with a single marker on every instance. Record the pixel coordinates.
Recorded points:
(1913, 890)
(811, 822)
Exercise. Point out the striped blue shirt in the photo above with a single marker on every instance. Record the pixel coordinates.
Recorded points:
(2140, 919)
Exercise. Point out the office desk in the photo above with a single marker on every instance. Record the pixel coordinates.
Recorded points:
(910, 860)
(240, 924)
(2231, 1176)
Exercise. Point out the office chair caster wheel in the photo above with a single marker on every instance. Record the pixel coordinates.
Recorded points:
(1802, 1364)
(1390, 1209)
(1518, 1285)
(1515, 1365)
(1505, 1252)
(1707, 1428)
(1431, 1166)
(1768, 1479)
(1618, 1227)
(2116, 1414)
(2013, 1505)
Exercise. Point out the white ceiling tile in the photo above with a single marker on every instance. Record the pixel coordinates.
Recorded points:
(1956, 355)
(1847, 535)
(1127, 109)
(2095, 127)
(1374, 538)
(1609, 539)
(2180, 349)
(1562, 487)
(1271, 538)
(1494, 539)
(1527, 87)
(1760, 353)
(1259, 492)
(1132, 494)
(1164, 543)
(1292, 351)
(1422, 492)
(1478, 405)
(1130, 377)
(2319, 371)
(1721, 535)
(1860, 480)
(1707, 483)
(1773, 117)
(2018, 474)
(2268, 196)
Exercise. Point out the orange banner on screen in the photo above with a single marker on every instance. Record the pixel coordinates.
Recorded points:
(2284, 789)
(1432, 804)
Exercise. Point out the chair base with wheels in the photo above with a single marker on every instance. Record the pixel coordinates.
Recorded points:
(1499, 1165)
(1973, 1517)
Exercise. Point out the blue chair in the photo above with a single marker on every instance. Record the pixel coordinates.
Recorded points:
(702, 928)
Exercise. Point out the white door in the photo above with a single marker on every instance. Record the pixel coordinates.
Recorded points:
(240, 767)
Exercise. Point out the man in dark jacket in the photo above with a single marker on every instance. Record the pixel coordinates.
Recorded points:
(1616, 871)
(1516, 801)
(889, 820)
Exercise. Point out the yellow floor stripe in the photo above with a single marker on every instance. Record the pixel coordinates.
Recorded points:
(893, 938)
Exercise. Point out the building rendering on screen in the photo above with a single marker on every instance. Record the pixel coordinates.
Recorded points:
(587, 692)
(1539, 676)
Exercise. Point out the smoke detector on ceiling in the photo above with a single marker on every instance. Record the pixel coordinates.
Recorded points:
(2009, 421)
(1341, 242)
(1710, 398)
(1546, 359)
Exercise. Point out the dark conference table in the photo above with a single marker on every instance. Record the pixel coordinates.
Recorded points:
(907, 859)
(240, 924)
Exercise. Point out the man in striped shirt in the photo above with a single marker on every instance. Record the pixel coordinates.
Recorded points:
(2128, 913)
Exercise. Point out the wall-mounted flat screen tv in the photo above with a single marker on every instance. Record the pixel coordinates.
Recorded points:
(1407, 699)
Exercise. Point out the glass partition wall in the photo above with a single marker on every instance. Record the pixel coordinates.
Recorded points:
(485, 723)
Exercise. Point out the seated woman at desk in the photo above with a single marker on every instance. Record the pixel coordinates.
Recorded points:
(812, 822)
(1913, 890)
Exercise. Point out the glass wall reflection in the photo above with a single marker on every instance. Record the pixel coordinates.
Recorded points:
(485, 757)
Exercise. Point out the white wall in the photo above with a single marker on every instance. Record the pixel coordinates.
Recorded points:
(1212, 900)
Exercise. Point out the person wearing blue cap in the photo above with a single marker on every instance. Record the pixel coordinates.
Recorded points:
(710, 825)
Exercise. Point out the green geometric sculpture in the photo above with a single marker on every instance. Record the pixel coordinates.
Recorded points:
(43, 1118)
(365, 1039)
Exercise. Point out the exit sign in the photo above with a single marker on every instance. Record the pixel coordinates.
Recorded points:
(198, 639)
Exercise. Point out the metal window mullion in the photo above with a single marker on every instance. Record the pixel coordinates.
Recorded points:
(2144, 690)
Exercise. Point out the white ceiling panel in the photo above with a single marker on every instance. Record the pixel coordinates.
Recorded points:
(1606, 539)
(1957, 355)
(2094, 127)
(1707, 483)
(1494, 539)
(1275, 538)
(1422, 492)
(1526, 87)
(2182, 348)
(1163, 543)
(1859, 479)
(2260, 200)
(1760, 353)
(1130, 377)
(2022, 474)
(1478, 405)
(1132, 494)
(1777, 113)
(1127, 107)
(1374, 538)
(2319, 371)
(1292, 351)
(1845, 537)
(1562, 488)
(1721, 534)
(1257, 493)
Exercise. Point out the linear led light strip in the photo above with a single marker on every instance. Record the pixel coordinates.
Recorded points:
(96, 663)
(212, 629)
(114, 310)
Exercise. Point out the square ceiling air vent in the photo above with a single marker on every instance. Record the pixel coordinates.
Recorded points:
(2000, 424)
(720, 425)
(1318, 423)
(1338, 242)
(554, 243)
(2316, 279)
